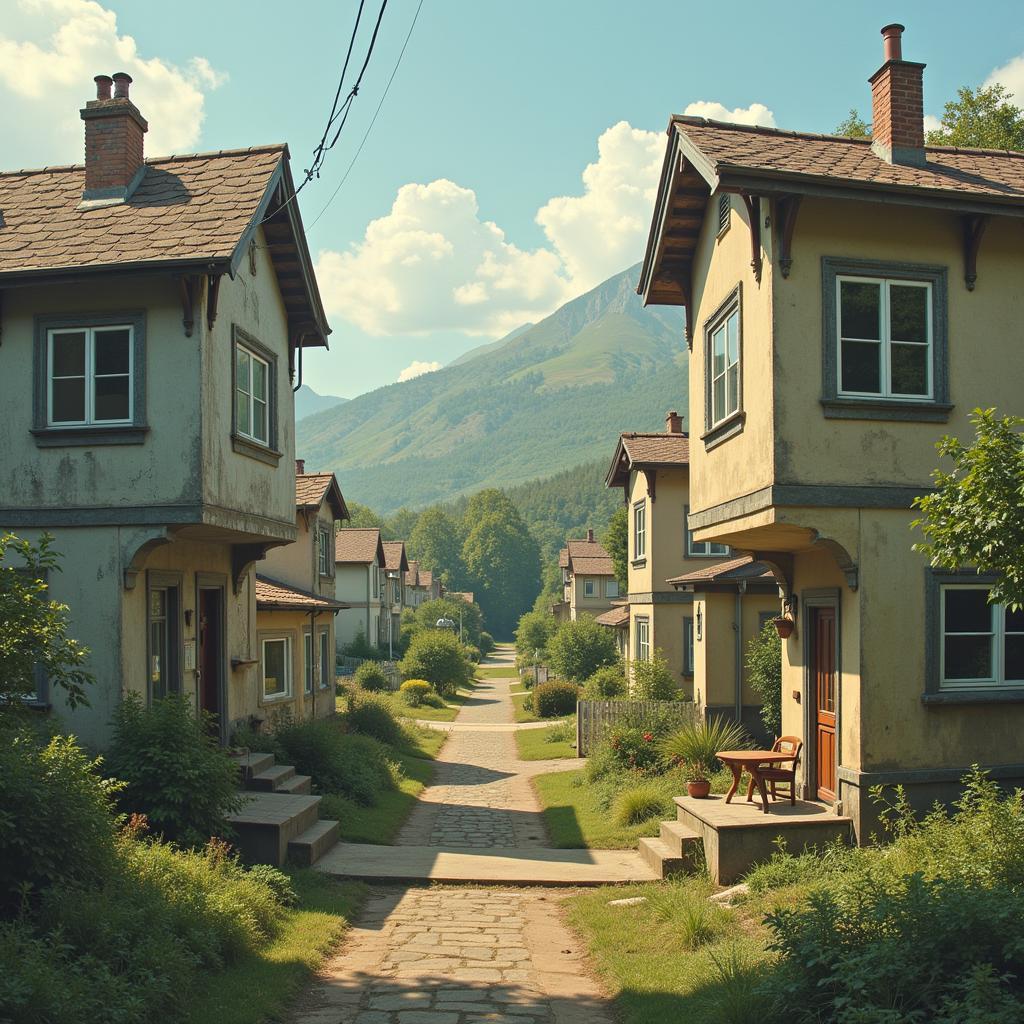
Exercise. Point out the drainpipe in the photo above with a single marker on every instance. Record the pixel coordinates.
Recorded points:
(741, 590)
(314, 653)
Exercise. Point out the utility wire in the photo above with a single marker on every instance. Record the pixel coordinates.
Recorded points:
(373, 120)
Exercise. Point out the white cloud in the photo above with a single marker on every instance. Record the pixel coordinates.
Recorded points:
(416, 369)
(931, 123)
(49, 52)
(756, 113)
(1010, 75)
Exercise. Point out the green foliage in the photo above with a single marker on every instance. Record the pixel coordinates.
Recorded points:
(616, 543)
(473, 653)
(555, 698)
(400, 525)
(415, 691)
(975, 516)
(427, 614)
(696, 744)
(362, 517)
(764, 671)
(371, 677)
(982, 118)
(640, 803)
(372, 716)
(853, 126)
(360, 647)
(534, 631)
(437, 656)
(578, 649)
(33, 628)
(685, 907)
(606, 683)
(175, 772)
(56, 812)
(436, 543)
(485, 642)
(653, 680)
(632, 747)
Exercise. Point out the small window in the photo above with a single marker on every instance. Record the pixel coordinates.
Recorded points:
(325, 659)
(252, 395)
(982, 643)
(643, 642)
(640, 529)
(688, 660)
(589, 588)
(324, 548)
(611, 588)
(724, 209)
(307, 661)
(89, 373)
(723, 366)
(375, 573)
(701, 548)
(164, 640)
(276, 665)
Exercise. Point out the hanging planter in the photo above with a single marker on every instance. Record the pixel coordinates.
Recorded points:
(783, 626)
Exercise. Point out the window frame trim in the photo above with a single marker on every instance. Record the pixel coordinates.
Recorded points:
(162, 579)
(244, 444)
(288, 637)
(323, 645)
(688, 541)
(638, 506)
(592, 584)
(731, 424)
(646, 622)
(689, 646)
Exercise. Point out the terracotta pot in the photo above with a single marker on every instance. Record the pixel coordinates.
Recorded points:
(783, 626)
(698, 789)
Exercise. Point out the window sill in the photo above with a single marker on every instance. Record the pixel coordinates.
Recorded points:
(885, 409)
(255, 450)
(639, 563)
(1006, 695)
(276, 699)
(72, 437)
(729, 427)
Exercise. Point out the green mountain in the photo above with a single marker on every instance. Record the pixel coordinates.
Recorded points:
(548, 398)
(307, 402)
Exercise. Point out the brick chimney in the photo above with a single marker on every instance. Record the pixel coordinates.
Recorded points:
(590, 536)
(300, 467)
(673, 423)
(897, 104)
(113, 141)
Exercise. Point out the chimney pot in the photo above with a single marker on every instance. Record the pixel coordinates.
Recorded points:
(590, 536)
(103, 84)
(300, 467)
(121, 83)
(892, 45)
(673, 423)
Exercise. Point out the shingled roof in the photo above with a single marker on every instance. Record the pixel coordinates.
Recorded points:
(636, 450)
(734, 571)
(394, 556)
(587, 558)
(358, 545)
(273, 595)
(312, 488)
(615, 618)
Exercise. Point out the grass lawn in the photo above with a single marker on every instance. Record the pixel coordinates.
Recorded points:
(261, 985)
(452, 706)
(537, 745)
(495, 672)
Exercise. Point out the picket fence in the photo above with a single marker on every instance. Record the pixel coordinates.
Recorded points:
(595, 717)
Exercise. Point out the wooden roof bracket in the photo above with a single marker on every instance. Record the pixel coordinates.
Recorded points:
(974, 227)
(188, 287)
(212, 295)
(753, 204)
(651, 476)
(243, 558)
(785, 209)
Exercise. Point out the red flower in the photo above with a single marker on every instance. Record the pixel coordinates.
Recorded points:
(648, 736)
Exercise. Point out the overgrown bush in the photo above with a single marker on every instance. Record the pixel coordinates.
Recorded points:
(696, 744)
(579, 648)
(640, 803)
(473, 653)
(534, 631)
(633, 748)
(174, 771)
(653, 680)
(371, 676)
(606, 683)
(764, 671)
(437, 656)
(555, 698)
(486, 642)
(360, 647)
(372, 716)
(415, 691)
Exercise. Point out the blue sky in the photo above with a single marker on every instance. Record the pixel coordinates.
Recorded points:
(473, 174)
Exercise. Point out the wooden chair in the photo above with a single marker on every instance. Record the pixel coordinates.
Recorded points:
(784, 775)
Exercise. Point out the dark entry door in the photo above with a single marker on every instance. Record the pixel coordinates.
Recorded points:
(824, 672)
(211, 650)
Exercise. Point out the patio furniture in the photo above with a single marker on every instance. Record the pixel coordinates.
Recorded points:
(754, 762)
(784, 775)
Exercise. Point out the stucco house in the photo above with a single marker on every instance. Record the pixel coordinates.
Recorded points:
(154, 311)
(359, 583)
(296, 606)
(588, 579)
(396, 565)
(848, 302)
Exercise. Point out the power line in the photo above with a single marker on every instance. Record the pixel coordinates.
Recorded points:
(373, 120)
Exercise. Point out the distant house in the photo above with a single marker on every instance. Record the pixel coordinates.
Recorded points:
(588, 579)
(154, 313)
(396, 565)
(416, 592)
(296, 605)
(359, 583)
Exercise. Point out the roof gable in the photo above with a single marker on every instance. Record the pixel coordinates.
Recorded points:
(312, 489)
(357, 545)
(394, 556)
(637, 450)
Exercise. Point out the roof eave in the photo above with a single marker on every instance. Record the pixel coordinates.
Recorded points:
(64, 275)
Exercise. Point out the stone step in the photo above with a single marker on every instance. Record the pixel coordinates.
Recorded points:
(309, 846)
(297, 784)
(252, 763)
(272, 779)
(661, 859)
(269, 822)
(679, 838)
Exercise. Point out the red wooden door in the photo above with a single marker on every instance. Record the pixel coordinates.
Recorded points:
(825, 682)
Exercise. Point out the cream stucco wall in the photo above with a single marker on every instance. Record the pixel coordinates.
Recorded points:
(580, 604)
(298, 704)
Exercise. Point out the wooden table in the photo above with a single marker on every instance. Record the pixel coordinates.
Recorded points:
(752, 761)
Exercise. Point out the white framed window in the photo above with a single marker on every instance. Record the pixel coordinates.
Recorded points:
(307, 662)
(723, 366)
(701, 548)
(276, 667)
(640, 529)
(325, 659)
(642, 632)
(884, 331)
(89, 375)
(688, 659)
(375, 573)
(611, 588)
(982, 644)
(252, 395)
(324, 549)
(590, 588)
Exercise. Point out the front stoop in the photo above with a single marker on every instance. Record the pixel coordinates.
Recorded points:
(675, 851)
(309, 846)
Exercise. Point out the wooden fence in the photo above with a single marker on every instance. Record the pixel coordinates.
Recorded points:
(595, 717)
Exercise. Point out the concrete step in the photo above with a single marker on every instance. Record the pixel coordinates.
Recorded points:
(309, 846)
(269, 822)
(661, 859)
(297, 784)
(252, 763)
(271, 779)
(679, 838)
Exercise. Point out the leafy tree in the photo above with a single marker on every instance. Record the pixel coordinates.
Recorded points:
(854, 126)
(616, 543)
(363, 517)
(983, 118)
(427, 614)
(33, 628)
(436, 542)
(653, 680)
(764, 670)
(437, 656)
(534, 631)
(400, 525)
(579, 648)
(975, 516)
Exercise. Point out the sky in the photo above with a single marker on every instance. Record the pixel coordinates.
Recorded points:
(513, 163)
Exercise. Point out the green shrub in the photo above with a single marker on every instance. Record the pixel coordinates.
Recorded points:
(606, 683)
(371, 676)
(372, 716)
(695, 745)
(684, 907)
(579, 648)
(764, 671)
(639, 803)
(473, 653)
(555, 698)
(437, 656)
(360, 647)
(415, 691)
(56, 817)
(633, 748)
(653, 680)
(486, 642)
(534, 631)
(174, 771)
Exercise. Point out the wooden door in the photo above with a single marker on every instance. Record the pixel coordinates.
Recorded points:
(825, 682)
(211, 649)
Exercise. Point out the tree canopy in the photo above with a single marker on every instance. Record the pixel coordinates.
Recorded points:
(436, 542)
(616, 543)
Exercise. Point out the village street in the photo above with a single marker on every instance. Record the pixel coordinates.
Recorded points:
(433, 953)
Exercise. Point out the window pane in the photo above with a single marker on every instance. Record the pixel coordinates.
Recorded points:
(967, 611)
(732, 328)
(860, 309)
(1015, 621)
(112, 354)
(718, 352)
(157, 599)
(861, 367)
(733, 379)
(259, 420)
(968, 657)
(718, 399)
(909, 369)
(259, 379)
(308, 642)
(242, 370)
(111, 401)
(68, 400)
(158, 658)
(908, 313)
(69, 354)
(1014, 667)
(275, 679)
(242, 423)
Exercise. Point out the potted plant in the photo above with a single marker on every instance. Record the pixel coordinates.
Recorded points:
(695, 746)
(783, 626)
